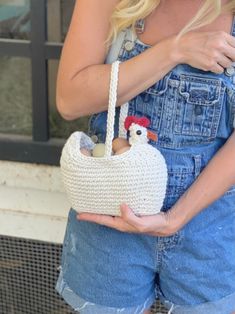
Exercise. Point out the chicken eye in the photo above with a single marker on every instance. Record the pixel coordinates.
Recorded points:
(138, 132)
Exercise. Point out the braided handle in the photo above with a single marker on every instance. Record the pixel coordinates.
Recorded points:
(111, 108)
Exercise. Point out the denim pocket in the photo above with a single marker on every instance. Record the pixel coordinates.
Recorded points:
(199, 106)
(231, 105)
(151, 102)
(178, 182)
(183, 169)
(160, 86)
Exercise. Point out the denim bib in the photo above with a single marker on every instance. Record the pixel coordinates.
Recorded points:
(191, 110)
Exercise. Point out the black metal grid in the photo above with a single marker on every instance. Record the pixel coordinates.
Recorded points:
(28, 274)
(39, 148)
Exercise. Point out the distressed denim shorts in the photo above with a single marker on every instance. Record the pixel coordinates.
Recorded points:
(193, 271)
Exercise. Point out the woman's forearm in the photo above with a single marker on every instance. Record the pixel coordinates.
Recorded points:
(216, 178)
(87, 91)
(81, 91)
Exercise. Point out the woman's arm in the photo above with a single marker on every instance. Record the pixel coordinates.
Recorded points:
(216, 178)
(83, 78)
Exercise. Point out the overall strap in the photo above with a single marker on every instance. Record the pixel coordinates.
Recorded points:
(115, 48)
(233, 34)
(130, 37)
(139, 26)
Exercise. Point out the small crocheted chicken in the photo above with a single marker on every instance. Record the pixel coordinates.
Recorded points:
(138, 130)
(139, 134)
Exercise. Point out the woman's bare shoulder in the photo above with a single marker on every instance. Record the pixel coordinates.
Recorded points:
(87, 32)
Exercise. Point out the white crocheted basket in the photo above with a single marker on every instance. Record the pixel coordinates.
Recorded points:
(137, 177)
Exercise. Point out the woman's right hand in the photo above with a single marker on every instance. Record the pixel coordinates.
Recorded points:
(208, 51)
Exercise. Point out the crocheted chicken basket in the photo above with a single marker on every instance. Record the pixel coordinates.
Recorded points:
(137, 177)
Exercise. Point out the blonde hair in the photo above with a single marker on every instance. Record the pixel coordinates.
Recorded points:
(127, 12)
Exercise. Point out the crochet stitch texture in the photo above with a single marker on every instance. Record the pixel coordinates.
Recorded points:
(137, 177)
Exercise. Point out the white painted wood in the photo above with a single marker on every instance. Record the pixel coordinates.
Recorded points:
(33, 176)
(33, 203)
(30, 226)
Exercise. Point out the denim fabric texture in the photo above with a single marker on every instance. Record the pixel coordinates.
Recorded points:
(193, 271)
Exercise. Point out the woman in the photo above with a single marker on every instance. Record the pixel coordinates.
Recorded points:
(178, 71)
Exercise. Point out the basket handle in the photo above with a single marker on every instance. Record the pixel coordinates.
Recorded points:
(111, 107)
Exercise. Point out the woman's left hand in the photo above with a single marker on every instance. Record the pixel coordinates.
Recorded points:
(160, 224)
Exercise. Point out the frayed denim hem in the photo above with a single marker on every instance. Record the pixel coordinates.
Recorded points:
(85, 307)
(225, 305)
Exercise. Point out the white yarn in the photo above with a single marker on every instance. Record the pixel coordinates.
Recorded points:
(137, 177)
(111, 108)
(112, 56)
(134, 137)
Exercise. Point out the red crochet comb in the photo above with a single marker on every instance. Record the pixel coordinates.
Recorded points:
(143, 121)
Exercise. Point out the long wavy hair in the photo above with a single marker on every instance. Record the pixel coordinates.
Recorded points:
(127, 12)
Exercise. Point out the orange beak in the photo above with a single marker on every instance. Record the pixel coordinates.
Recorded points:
(152, 136)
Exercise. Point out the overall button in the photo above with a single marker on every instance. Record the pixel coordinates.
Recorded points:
(230, 71)
(198, 110)
(129, 45)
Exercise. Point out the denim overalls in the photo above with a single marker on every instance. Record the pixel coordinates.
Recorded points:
(106, 271)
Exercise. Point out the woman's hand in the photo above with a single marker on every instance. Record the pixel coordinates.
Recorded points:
(156, 225)
(208, 51)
